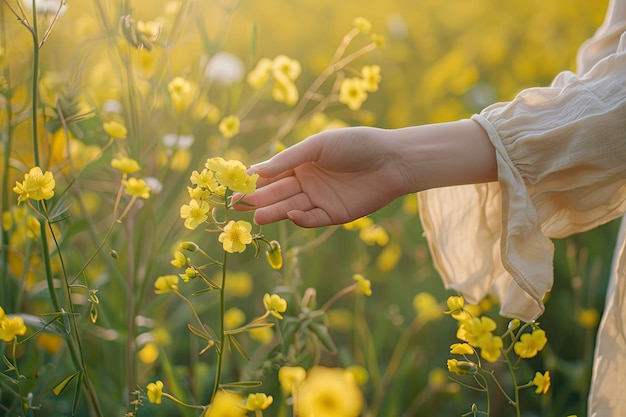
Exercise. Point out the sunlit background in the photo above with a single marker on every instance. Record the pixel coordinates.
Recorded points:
(171, 72)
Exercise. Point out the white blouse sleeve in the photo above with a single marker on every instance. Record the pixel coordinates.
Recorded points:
(561, 155)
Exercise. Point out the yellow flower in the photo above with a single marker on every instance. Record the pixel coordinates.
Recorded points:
(236, 236)
(22, 195)
(426, 307)
(389, 257)
(359, 373)
(542, 382)
(195, 213)
(328, 392)
(181, 93)
(362, 24)
(588, 317)
(275, 305)
(476, 331)
(437, 379)
(204, 179)
(263, 335)
(285, 91)
(239, 284)
(49, 342)
(180, 260)
(285, 67)
(190, 273)
(233, 318)
(530, 344)
(136, 187)
(359, 224)
(461, 349)
(371, 77)
(165, 284)
(374, 235)
(37, 185)
(229, 126)
(126, 165)
(11, 327)
(490, 348)
(258, 401)
(274, 255)
(232, 174)
(149, 353)
(379, 40)
(455, 304)
(363, 286)
(115, 130)
(290, 377)
(155, 391)
(352, 93)
(259, 76)
(226, 404)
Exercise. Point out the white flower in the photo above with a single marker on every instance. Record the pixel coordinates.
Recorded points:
(110, 106)
(225, 68)
(171, 140)
(155, 185)
(49, 7)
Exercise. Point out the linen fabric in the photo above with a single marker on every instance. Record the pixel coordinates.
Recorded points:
(561, 157)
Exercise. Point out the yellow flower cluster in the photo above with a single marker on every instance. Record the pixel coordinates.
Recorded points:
(353, 90)
(476, 333)
(11, 327)
(209, 188)
(284, 71)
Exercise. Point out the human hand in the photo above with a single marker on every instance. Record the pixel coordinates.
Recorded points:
(333, 177)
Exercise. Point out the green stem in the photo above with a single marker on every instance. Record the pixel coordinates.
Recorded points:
(35, 85)
(74, 343)
(4, 249)
(220, 351)
(18, 378)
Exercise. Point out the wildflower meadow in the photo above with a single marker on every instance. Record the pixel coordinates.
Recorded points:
(129, 285)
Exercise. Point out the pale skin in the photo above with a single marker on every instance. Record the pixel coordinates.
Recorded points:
(337, 176)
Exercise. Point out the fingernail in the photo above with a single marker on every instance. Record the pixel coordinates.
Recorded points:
(259, 166)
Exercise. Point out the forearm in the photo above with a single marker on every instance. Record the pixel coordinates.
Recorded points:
(444, 154)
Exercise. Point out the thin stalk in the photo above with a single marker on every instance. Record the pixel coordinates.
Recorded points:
(220, 351)
(35, 84)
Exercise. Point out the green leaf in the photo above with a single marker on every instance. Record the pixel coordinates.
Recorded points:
(238, 346)
(241, 384)
(321, 331)
(77, 391)
(201, 334)
(63, 384)
(203, 291)
(7, 362)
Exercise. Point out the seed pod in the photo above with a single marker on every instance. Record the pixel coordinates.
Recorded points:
(274, 255)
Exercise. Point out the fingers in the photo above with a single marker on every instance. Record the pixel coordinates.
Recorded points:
(267, 195)
(280, 210)
(311, 218)
(285, 161)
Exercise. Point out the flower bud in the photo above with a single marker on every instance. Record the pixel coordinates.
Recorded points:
(114, 254)
(514, 324)
(274, 255)
(189, 246)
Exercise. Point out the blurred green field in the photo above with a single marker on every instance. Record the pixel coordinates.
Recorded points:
(108, 61)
